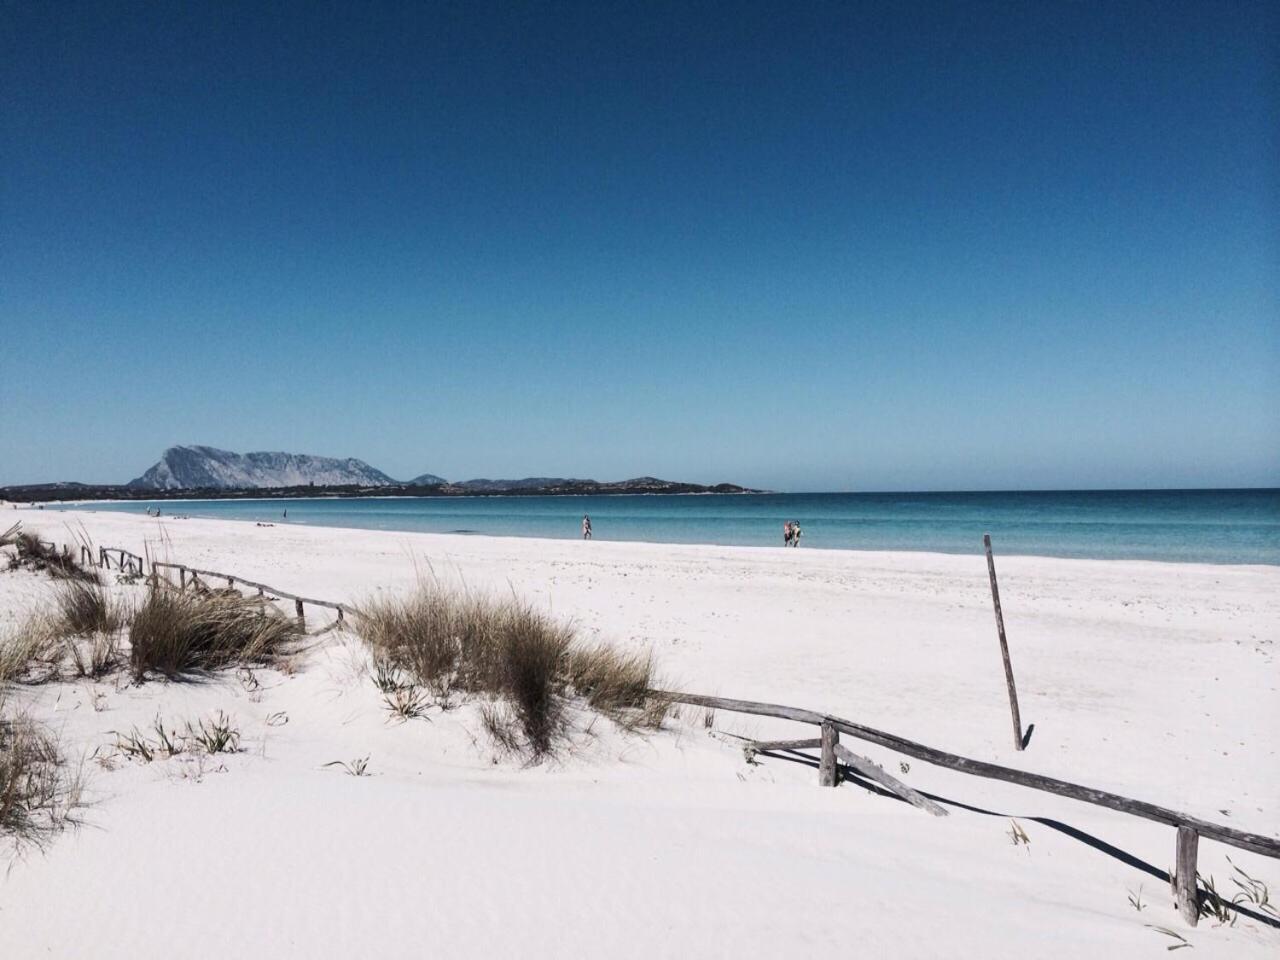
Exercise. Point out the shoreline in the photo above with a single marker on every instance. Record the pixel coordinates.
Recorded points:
(65, 507)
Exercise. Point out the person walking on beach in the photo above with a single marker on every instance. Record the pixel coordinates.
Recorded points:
(795, 533)
(786, 534)
(586, 527)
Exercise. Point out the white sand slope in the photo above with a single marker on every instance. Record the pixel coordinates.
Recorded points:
(1157, 681)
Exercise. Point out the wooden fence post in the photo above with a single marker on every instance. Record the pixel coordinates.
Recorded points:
(1184, 877)
(1004, 645)
(827, 766)
(297, 606)
(182, 578)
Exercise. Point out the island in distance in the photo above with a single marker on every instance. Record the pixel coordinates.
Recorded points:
(186, 471)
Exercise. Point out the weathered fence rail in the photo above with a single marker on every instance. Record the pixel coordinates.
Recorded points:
(1190, 828)
(185, 572)
(127, 560)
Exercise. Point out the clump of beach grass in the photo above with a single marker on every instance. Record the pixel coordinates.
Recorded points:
(30, 650)
(528, 667)
(83, 625)
(36, 555)
(92, 624)
(39, 793)
(181, 633)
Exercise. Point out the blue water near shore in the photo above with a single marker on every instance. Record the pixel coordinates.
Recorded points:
(1209, 526)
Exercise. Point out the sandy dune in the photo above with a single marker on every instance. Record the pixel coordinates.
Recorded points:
(1158, 681)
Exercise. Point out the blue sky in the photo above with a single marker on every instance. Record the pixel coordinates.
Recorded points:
(808, 247)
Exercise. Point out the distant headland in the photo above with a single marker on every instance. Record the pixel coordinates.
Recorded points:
(185, 472)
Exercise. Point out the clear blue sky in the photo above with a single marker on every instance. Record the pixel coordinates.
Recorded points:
(803, 246)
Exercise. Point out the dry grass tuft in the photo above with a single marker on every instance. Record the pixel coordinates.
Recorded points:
(92, 624)
(532, 662)
(39, 556)
(38, 794)
(618, 685)
(86, 607)
(178, 633)
(525, 663)
(29, 652)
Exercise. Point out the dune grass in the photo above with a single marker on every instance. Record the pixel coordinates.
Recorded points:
(528, 666)
(29, 651)
(91, 625)
(34, 555)
(38, 793)
(178, 634)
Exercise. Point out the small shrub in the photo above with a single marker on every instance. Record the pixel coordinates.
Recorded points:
(177, 633)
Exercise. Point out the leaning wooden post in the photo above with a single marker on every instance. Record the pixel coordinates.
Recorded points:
(1184, 877)
(339, 614)
(1004, 646)
(297, 606)
(827, 766)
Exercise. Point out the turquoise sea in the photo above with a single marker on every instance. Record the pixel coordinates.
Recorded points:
(1213, 526)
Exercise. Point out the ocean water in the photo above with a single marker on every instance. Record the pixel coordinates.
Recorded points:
(1209, 526)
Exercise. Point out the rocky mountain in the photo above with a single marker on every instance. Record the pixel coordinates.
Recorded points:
(208, 468)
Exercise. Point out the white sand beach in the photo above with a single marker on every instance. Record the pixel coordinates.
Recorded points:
(1156, 681)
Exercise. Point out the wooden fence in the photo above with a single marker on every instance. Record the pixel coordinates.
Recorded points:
(126, 561)
(192, 575)
(132, 563)
(1189, 828)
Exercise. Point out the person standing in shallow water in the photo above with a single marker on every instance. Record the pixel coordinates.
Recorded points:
(586, 527)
